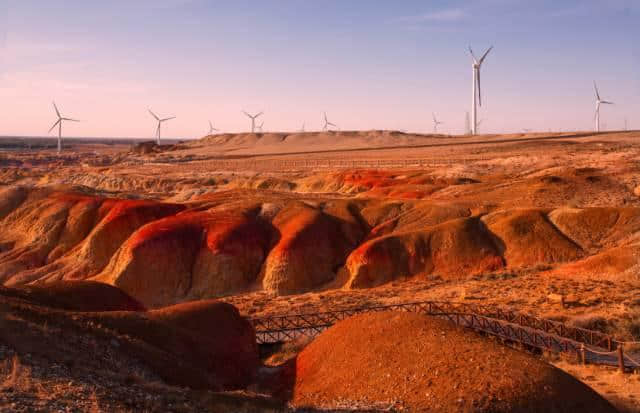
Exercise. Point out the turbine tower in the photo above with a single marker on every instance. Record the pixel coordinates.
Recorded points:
(302, 129)
(435, 123)
(467, 124)
(59, 125)
(212, 129)
(327, 123)
(598, 103)
(253, 120)
(477, 95)
(159, 124)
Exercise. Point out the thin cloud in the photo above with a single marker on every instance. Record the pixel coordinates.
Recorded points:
(439, 16)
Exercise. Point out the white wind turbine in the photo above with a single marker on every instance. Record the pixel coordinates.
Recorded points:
(212, 129)
(327, 123)
(302, 129)
(59, 125)
(477, 95)
(159, 124)
(436, 122)
(598, 103)
(253, 120)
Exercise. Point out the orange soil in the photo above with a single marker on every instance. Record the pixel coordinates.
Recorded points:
(410, 361)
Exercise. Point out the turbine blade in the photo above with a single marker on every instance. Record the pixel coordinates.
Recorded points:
(54, 125)
(484, 56)
(69, 119)
(162, 120)
(56, 109)
(258, 114)
(153, 114)
(596, 88)
(607, 102)
(473, 56)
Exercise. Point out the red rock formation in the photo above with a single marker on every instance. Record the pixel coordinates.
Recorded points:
(312, 246)
(457, 248)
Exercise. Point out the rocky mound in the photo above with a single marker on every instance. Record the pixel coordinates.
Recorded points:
(190, 255)
(312, 246)
(77, 296)
(526, 237)
(408, 361)
(243, 240)
(457, 248)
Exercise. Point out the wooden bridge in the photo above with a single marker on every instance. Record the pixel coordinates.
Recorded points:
(590, 346)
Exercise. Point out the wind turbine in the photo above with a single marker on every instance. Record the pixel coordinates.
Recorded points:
(598, 103)
(327, 123)
(212, 129)
(159, 124)
(59, 125)
(302, 129)
(260, 127)
(253, 120)
(435, 123)
(477, 95)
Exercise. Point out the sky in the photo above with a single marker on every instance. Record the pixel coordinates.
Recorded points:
(369, 65)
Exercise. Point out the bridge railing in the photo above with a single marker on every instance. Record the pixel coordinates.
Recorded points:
(288, 327)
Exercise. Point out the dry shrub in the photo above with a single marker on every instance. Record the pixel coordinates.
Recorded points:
(590, 322)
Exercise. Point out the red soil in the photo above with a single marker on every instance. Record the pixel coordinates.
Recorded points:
(419, 363)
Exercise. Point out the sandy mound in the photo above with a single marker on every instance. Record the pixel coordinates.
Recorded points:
(458, 248)
(419, 363)
(528, 238)
(613, 262)
(77, 296)
(594, 227)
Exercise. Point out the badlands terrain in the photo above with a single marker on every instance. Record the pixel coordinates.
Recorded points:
(154, 257)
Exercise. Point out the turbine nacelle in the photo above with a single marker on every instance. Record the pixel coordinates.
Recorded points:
(159, 120)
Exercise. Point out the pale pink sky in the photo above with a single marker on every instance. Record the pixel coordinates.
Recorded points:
(383, 66)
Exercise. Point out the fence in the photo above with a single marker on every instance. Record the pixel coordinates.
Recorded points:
(590, 346)
(314, 164)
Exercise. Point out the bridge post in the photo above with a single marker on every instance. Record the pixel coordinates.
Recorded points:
(620, 358)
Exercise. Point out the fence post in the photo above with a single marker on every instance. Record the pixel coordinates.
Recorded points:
(620, 358)
(583, 356)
